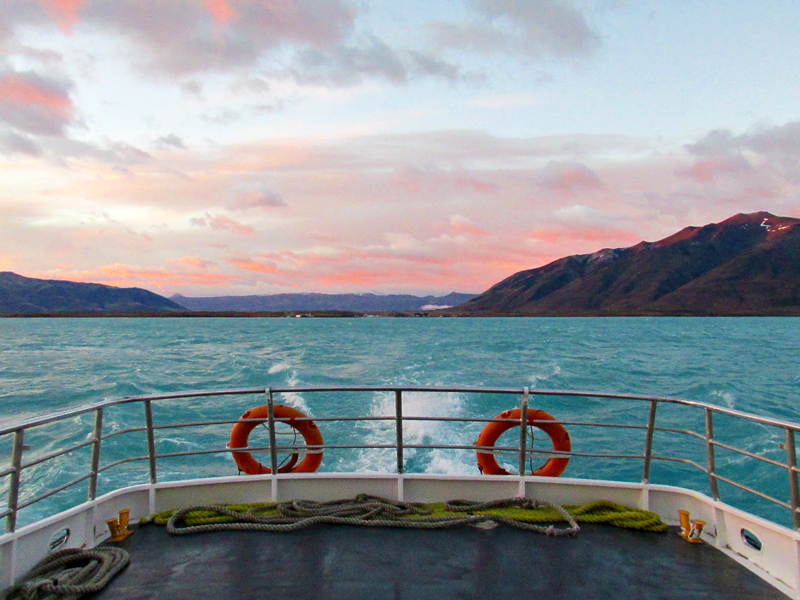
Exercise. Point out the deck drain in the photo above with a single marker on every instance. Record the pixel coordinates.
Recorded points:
(751, 540)
(59, 539)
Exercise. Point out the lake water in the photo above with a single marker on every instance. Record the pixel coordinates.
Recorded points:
(750, 364)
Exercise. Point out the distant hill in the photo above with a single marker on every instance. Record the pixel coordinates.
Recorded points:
(748, 264)
(24, 295)
(320, 302)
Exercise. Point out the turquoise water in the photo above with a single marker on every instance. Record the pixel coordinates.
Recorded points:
(749, 364)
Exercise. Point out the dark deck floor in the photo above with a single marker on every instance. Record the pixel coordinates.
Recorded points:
(373, 564)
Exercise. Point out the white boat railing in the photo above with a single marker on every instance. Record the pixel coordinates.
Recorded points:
(13, 473)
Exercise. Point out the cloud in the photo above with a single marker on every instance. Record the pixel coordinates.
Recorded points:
(533, 29)
(178, 38)
(194, 261)
(220, 11)
(763, 163)
(223, 223)
(431, 179)
(348, 65)
(64, 12)
(182, 38)
(460, 225)
(711, 168)
(567, 176)
(257, 196)
(35, 104)
(170, 141)
(125, 275)
(780, 140)
(13, 143)
(192, 87)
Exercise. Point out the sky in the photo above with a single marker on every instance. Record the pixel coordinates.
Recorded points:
(233, 147)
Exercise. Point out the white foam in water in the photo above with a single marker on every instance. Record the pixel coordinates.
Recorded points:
(292, 398)
(279, 367)
(728, 398)
(418, 404)
(538, 377)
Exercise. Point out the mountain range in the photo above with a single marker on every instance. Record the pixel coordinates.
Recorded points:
(322, 302)
(748, 264)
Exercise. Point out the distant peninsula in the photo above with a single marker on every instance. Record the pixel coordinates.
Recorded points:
(748, 264)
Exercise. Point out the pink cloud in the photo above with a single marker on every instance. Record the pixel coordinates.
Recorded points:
(220, 11)
(708, 169)
(257, 196)
(64, 12)
(462, 226)
(416, 180)
(34, 104)
(194, 261)
(567, 176)
(246, 263)
(122, 275)
(584, 233)
(223, 223)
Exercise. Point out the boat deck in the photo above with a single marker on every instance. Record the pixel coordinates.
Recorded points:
(357, 562)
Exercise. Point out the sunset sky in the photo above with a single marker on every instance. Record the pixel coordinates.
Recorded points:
(215, 147)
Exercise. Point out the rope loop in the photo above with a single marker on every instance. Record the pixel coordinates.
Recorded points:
(69, 574)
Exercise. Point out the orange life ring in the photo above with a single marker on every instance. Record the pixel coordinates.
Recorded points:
(558, 435)
(308, 429)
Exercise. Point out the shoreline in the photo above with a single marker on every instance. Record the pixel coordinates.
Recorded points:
(389, 314)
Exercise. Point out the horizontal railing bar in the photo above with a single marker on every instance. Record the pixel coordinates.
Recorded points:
(752, 491)
(683, 431)
(38, 421)
(516, 421)
(681, 460)
(264, 420)
(750, 454)
(8, 471)
(486, 450)
(120, 462)
(56, 454)
(53, 492)
(121, 431)
(281, 449)
(5, 513)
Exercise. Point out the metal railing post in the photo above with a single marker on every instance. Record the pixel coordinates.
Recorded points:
(273, 455)
(648, 444)
(398, 409)
(97, 436)
(791, 463)
(712, 476)
(13, 488)
(523, 431)
(151, 440)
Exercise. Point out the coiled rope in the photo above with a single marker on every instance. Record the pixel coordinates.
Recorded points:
(364, 510)
(373, 511)
(69, 574)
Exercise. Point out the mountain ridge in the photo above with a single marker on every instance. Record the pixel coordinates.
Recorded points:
(27, 295)
(748, 264)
